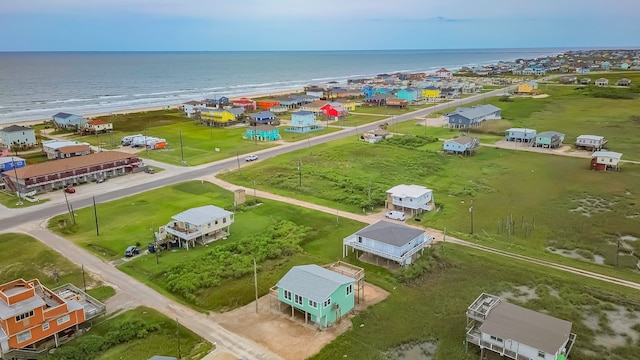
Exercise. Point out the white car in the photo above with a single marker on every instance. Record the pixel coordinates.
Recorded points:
(396, 215)
(251, 158)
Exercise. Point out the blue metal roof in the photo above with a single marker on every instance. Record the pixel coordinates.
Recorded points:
(313, 282)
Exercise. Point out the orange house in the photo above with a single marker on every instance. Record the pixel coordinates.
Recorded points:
(32, 315)
(266, 104)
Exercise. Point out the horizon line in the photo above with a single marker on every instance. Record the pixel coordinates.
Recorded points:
(563, 48)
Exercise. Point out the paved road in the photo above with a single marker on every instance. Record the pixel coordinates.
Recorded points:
(140, 294)
(12, 217)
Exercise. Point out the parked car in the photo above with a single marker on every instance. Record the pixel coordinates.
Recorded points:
(131, 251)
(100, 180)
(149, 170)
(251, 158)
(70, 190)
(396, 215)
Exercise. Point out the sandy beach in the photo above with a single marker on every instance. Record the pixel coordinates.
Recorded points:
(152, 108)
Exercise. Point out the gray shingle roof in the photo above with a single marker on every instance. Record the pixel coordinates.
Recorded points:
(63, 115)
(202, 215)
(263, 115)
(476, 111)
(541, 331)
(390, 233)
(313, 282)
(13, 128)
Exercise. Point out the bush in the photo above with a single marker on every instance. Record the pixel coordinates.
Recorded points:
(91, 346)
(410, 141)
(609, 93)
(234, 260)
(505, 98)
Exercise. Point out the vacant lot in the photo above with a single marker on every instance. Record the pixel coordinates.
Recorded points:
(42, 263)
(429, 312)
(540, 194)
(136, 334)
(127, 221)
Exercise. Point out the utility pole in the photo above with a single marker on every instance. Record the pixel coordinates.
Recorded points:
(178, 336)
(95, 215)
(69, 210)
(299, 173)
(255, 132)
(238, 159)
(181, 150)
(15, 173)
(255, 281)
(471, 213)
(84, 281)
(146, 149)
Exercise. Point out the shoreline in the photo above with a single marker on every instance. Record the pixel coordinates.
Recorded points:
(29, 123)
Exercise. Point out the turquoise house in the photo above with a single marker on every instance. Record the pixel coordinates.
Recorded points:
(303, 122)
(549, 139)
(408, 94)
(322, 295)
(262, 133)
(605, 65)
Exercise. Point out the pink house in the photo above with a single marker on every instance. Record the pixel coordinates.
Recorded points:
(444, 74)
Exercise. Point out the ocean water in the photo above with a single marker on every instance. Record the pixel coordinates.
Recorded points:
(37, 85)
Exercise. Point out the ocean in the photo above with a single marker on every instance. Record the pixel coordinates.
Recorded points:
(36, 85)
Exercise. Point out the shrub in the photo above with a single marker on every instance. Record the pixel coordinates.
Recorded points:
(410, 141)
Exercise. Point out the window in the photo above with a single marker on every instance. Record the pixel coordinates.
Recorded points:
(360, 239)
(24, 336)
(216, 222)
(349, 289)
(541, 354)
(45, 326)
(63, 319)
(287, 295)
(209, 225)
(496, 339)
(298, 299)
(327, 302)
(313, 304)
(24, 316)
(224, 220)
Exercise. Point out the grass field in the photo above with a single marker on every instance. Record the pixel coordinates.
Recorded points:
(388, 110)
(127, 221)
(432, 309)
(199, 143)
(40, 262)
(574, 208)
(160, 339)
(10, 200)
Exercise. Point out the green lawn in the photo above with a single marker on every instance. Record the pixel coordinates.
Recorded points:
(354, 119)
(127, 221)
(155, 334)
(533, 187)
(432, 309)
(10, 200)
(40, 262)
(292, 136)
(199, 144)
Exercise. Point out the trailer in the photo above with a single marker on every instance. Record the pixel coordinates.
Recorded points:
(127, 140)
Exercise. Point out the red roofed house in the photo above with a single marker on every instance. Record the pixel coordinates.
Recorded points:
(444, 74)
(78, 169)
(31, 315)
(245, 103)
(334, 110)
(266, 104)
(98, 126)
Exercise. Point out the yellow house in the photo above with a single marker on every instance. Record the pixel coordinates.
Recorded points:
(530, 88)
(430, 92)
(217, 115)
(348, 104)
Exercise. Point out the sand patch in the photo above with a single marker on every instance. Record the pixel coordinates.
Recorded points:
(579, 254)
(287, 337)
(520, 293)
(590, 205)
(414, 351)
(540, 96)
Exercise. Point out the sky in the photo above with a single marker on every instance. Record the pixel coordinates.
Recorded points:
(256, 25)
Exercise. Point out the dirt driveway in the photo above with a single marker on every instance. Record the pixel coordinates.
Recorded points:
(289, 338)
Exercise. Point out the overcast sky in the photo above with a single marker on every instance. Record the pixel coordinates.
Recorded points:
(128, 25)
